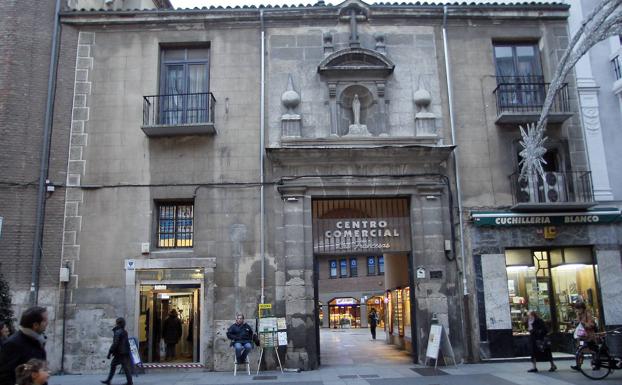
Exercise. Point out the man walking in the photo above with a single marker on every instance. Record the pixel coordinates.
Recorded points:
(171, 332)
(27, 343)
(120, 350)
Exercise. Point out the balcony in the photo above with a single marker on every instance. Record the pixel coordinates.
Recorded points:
(179, 114)
(520, 99)
(615, 64)
(557, 191)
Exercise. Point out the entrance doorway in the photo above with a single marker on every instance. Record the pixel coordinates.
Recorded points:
(362, 250)
(159, 301)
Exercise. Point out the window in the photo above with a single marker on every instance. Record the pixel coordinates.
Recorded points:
(353, 267)
(381, 265)
(332, 266)
(517, 62)
(175, 225)
(550, 282)
(519, 75)
(371, 265)
(184, 86)
(343, 268)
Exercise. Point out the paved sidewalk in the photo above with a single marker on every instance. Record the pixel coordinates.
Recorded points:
(350, 357)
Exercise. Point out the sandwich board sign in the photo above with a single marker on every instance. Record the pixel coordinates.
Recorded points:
(438, 342)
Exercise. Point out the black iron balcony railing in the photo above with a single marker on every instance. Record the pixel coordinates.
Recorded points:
(615, 63)
(554, 188)
(178, 109)
(526, 94)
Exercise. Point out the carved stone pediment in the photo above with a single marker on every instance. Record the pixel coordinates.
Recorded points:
(361, 62)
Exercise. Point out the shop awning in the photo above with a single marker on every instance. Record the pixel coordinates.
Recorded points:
(508, 219)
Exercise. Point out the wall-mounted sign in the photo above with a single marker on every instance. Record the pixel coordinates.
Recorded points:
(345, 301)
(361, 234)
(159, 287)
(507, 219)
(130, 264)
(420, 273)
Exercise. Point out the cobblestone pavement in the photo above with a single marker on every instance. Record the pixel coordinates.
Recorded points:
(351, 357)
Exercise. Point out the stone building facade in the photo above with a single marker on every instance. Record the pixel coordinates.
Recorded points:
(222, 158)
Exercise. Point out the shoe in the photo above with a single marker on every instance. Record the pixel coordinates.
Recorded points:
(553, 368)
(574, 367)
(534, 370)
(107, 382)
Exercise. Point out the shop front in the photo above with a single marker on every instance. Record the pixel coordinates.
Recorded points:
(344, 313)
(545, 263)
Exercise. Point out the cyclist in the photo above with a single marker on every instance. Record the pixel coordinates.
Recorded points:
(585, 329)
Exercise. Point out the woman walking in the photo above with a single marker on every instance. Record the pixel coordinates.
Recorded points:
(540, 346)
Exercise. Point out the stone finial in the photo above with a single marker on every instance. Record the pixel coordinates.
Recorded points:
(328, 43)
(425, 121)
(291, 123)
(422, 98)
(380, 44)
(290, 98)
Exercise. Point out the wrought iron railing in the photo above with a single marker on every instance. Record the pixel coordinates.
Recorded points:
(521, 94)
(555, 187)
(617, 71)
(178, 109)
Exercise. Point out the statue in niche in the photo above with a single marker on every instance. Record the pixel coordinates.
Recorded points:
(356, 109)
(356, 128)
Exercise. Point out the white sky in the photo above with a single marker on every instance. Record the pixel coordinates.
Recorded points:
(233, 3)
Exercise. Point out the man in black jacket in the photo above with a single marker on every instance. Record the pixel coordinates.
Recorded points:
(120, 350)
(241, 336)
(27, 343)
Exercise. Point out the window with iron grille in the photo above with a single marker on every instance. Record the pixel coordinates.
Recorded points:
(353, 267)
(332, 269)
(381, 265)
(175, 224)
(371, 265)
(343, 268)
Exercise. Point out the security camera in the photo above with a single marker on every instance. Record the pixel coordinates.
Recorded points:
(108, 2)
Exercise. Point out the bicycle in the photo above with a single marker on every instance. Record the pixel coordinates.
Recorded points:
(602, 358)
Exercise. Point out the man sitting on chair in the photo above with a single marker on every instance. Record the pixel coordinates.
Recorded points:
(241, 336)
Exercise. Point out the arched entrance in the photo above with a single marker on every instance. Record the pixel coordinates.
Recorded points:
(361, 250)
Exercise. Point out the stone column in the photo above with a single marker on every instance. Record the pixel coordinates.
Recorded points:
(332, 96)
(588, 97)
(207, 315)
(299, 298)
(609, 271)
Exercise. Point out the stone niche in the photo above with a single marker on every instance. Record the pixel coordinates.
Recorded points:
(356, 79)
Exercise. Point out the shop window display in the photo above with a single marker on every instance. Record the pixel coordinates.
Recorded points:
(550, 282)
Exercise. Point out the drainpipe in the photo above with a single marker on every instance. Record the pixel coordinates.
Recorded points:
(465, 291)
(453, 141)
(262, 209)
(45, 160)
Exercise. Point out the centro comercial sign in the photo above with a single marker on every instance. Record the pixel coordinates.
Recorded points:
(361, 235)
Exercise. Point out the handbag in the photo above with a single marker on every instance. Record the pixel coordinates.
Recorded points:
(579, 331)
(543, 344)
(256, 339)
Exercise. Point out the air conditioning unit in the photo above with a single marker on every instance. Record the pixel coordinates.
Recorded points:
(527, 190)
(554, 187)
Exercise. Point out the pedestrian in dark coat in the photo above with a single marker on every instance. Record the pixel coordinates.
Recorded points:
(540, 346)
(4, 333)
(120, 351)
(241, 336)
(27, 343)
(171, 332)
(373, 322)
